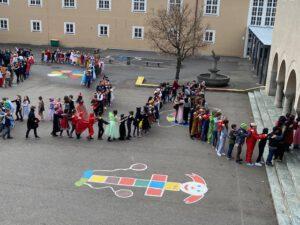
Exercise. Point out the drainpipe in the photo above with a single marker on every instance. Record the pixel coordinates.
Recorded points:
(196, 13)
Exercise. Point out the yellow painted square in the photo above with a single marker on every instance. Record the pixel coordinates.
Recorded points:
(172, 186)
(97, 179)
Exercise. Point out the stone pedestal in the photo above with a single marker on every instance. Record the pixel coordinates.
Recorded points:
(279, 94)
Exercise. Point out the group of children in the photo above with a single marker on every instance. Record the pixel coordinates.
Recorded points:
(92, 63)
(191, 109)
(16, 64)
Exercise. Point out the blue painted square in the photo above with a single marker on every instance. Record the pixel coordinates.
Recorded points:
(157, 184)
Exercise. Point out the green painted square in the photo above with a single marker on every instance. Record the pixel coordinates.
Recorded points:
(141, 183)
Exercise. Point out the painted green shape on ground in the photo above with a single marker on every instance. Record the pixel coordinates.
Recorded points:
(81, 182)
(141, 183)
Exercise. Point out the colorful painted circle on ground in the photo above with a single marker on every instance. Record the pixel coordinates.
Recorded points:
(64, 74)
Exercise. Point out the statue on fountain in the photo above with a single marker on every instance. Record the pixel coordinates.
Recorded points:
(214, 79)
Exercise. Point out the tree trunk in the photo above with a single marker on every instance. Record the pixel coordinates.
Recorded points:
(178, 67)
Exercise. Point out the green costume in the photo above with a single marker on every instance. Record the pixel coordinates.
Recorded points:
(211, 128)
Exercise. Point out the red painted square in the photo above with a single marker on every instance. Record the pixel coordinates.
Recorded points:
(154, 192)
(127, 181)
(159, 177)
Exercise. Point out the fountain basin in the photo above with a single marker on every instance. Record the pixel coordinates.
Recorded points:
(220, 81)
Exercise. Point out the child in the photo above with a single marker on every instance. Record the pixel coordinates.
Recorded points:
(122, 128)
(136, 122)
(261, 146)
(64, 123)
(74, 119)
(91, 126)
(41, 108)
(129, 123)
(51, 108)
(186, 110)
(101, 122)
(232, 138)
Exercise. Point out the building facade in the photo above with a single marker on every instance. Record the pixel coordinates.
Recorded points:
(283, 79)
(121, 24)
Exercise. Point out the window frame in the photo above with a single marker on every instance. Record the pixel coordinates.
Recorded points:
(31, 26)
(212, 14)
(138, 11)
(213, 37)
(103, 9)
(169, 4)
(99, 30)
(68, 7)
(133, 32)
(35, 5)
(7, 22)
(3, 3)
(65, 28)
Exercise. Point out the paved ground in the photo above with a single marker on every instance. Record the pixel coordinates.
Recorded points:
(37, 176)
(239, 70)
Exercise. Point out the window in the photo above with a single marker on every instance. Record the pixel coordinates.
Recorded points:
(211, 7)
(174, 4)
(103, 30)
(69, 28)
(104, 4)
(36, 26)
(209, 36)
(257, 12)
(138, 33)
(270, 13)
(35, 2)
(69, 3)
(4, 24)
(6, 2)
(139, 5)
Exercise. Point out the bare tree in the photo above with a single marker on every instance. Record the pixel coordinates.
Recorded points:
(177, 31)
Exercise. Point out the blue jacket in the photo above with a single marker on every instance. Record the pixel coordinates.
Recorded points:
(241, 135)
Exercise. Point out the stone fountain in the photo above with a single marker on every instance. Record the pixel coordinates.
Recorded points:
(214, 79)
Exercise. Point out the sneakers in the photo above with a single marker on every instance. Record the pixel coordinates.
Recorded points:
(219, 154)
(258, 164)
(249, 164)
(269, 164)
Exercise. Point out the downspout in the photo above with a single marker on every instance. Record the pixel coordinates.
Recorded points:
(196, 13)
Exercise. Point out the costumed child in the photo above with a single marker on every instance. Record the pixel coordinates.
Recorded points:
(211, 128)
(223, 137)
(130, 120)
(64, 123)
(91, 126)
(186, 110)
(51, 108)
(261, 146)
(122, 128)
(251, 140)
(74, 120)
(56, 124)
(112, 130)
(241, 135)
(232, 139)
(145, 124)
(101, 123)
(205, 126)
(137, 121)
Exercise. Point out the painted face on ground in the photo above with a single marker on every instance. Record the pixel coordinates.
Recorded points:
(194, 188)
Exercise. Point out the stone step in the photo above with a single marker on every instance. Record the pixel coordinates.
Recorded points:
(255, 111)
(281, 212)
(274, 112)
(267, 122)
(293, 165)
(291, 200)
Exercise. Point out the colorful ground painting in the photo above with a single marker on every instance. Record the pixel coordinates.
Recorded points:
(156, 186)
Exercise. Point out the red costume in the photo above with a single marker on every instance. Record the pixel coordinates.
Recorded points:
(91, 124)
(81, 124)
(251, 142)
